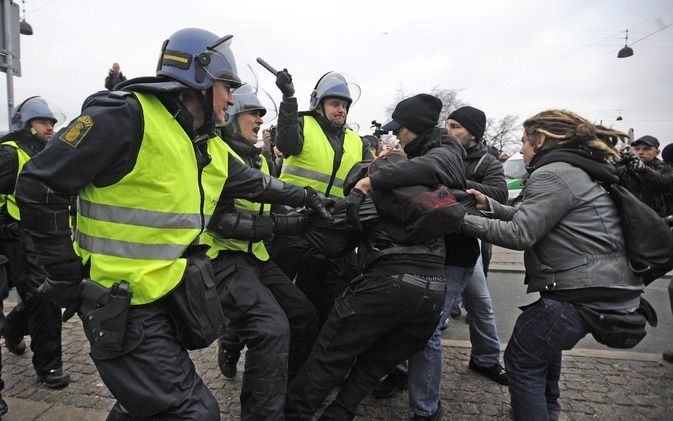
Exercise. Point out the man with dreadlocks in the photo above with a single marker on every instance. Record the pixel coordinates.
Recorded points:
(570, 231)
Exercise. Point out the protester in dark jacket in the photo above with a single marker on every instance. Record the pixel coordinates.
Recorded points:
(435, 158)
(570, 231)
(388, 313)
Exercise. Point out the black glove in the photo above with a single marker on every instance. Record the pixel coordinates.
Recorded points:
(318, 203)
(284, 83)
(11, 231)
(636, 164)
(289, 224)
(63, 293)
(353, 203)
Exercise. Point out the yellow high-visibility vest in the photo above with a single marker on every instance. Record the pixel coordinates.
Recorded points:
(314, 165)
(9, 199)
(137, 229)
(256, 248)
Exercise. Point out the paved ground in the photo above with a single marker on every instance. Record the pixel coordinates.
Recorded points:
(596, 385)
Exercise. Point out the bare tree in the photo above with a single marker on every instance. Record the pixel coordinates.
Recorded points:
(502, 133)
(449, 99)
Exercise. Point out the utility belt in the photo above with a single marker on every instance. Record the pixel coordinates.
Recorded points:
(104, 313)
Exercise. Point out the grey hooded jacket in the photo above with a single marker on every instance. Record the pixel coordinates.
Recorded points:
(569, 229)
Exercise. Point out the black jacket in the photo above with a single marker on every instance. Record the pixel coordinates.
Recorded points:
(435, 158)
(652, 184)
(113, 80)
(485, 173)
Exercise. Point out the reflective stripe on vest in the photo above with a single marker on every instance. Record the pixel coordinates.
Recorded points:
(10, 199)
(257, 249)
(314, 165)
(138, 228)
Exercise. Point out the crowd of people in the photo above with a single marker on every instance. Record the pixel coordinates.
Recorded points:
(335, 261)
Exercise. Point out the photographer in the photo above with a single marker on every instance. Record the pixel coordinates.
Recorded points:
(114, 77)
(644, 175)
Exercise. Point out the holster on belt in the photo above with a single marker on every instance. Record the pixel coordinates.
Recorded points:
(104, 313)
(195, 304)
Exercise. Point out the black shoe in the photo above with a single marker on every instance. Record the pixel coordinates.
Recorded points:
(3, 407)
(434, 417)
(227, 360)
(495, 372)
(668, 356)
(15, 347)
(54, 379)
(393, 383)
(455, 311)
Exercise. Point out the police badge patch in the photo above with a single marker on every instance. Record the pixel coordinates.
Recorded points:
(77, 130)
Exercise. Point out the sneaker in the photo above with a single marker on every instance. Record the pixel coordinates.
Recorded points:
(668, 356)
(495, 372)
(434, 417)
(15, 347)
(227, 360)
(3, 407)
(455, 311)
(394, 382)
(54, 379)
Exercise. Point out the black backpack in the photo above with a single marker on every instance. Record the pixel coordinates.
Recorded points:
(647, 237)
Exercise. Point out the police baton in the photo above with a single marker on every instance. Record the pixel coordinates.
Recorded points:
(267, 66)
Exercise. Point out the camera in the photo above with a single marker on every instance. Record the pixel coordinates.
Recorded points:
(377, 129)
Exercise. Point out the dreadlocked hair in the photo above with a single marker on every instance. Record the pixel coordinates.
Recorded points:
(566, 130)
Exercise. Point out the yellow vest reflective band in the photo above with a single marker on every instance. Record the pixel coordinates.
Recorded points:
(9, 199)
(314, 165)
(138, 228)
(257, 249)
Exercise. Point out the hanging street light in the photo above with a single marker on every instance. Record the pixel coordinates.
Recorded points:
(626, 51)
(24, 27)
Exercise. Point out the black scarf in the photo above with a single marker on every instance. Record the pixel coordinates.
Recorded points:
(595, 167)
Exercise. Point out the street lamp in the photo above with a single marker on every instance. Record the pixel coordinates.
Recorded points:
(24, 27)
(626, 51)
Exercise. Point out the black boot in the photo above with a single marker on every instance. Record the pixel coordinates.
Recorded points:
(3, 407)
(396, 381)
(54, 379)
(227, 359)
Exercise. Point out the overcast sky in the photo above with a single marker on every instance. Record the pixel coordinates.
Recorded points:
(505, 57)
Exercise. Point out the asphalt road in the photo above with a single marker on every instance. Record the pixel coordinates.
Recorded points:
(508, 293)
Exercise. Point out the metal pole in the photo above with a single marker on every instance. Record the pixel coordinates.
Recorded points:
(9, 60)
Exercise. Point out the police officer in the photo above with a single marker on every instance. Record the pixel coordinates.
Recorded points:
(255, 270)
(32, 127)
(148, 170)
(319, 150)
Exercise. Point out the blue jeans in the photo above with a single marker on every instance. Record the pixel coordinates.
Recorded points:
(533, 357)
(483, 333)
(425, 366)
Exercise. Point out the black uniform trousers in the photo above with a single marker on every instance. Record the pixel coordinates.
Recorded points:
(321, 279)
(297, 308)
(377, 323)
(34, 315)
(154, 378)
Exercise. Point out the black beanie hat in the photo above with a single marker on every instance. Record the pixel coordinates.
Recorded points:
(667, 153)
(473, 119)
(417, 113)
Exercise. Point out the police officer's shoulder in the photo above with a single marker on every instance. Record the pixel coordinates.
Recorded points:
(152, 85)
